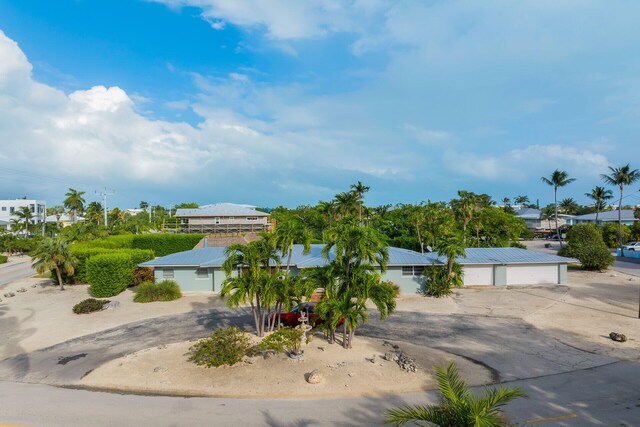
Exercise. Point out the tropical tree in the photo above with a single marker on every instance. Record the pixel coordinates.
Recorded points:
(521, 200)
(58, 211)
(53, 254)
(460, 406)
(621, 177)
(556, 180)
(94, 212)
(417, 218)
(347, 203)
(254, 282)
(568, 206)
(288, 232)
(465, 208)
(547, 214)
(359, 189)
(599, 195)
(23, 220)
(144, 206)
(74, 202)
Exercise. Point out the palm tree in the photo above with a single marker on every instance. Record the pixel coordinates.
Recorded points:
(451, 247)
(253, 283)
(599, 195)
(521, 200)
(621, 176)
(557, 179)
(460, 407)
(54, 255)
(23, 220)
(359, 189)
(144, 205)
(74, 202)
(347, 203)
(465, 208)
(58, 211)
(546, 214)
(94, 212)
(568, 206)
(291, 231)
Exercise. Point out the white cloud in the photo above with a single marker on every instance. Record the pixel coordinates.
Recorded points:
(426, 136)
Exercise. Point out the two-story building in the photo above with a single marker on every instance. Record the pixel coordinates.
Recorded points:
(8, 208)
(222, 218)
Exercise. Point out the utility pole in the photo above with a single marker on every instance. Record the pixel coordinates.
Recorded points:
(104, 193)
(44, 217)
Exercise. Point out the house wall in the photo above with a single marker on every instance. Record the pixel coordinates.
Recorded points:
(478, 274)
(532, 274)
(408, 284)
(7, 207)
(188, 279)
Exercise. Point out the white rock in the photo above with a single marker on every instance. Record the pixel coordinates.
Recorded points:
(314, 377)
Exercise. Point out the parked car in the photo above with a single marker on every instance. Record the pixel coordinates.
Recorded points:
(631, 246)
(291, 318)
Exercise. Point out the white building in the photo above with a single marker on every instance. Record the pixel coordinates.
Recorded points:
(9, 207)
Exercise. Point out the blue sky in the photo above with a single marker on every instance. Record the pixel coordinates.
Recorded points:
(282, 102)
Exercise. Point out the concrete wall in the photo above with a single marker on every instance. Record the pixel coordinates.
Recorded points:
(478, 275)
(188, 280)
(538, 274)
(408, 284)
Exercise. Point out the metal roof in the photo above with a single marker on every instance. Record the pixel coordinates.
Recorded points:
(215, 256)
(221, 209)
(509, 256)
(627, 215)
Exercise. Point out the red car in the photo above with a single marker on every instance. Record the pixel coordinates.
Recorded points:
(291, 318)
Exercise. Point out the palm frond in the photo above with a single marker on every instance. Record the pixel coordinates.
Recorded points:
(450, 384)
(400, 416)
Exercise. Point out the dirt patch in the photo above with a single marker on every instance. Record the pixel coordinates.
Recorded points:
(359, 371)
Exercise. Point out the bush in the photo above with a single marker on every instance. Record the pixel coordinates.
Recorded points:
(82, 253)
(124, 241)
(439, 283)
(518, 245)
(142, 275)
(167, 290)
(286, 338)
(110, 273)
(166, 244)
(610, 234)
(3, 259)
(394, 286)
(586, 244)
(226, 346)
(89, 306)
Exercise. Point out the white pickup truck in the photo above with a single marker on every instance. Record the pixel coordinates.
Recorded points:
(631, 246)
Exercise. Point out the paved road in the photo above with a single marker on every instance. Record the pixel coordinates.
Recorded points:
(15, 271)
(513, 348)
(627, 267)
(603, 396)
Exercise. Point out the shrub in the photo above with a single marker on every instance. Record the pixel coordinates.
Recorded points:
(110, 273)
(518, 245)
(610, 234)
(167, 290)
(142, 275)
(586, 244)
(286, 338)
(89, 306)
(82, 253)
(439, 283)
(124, 241)
(226, 346)
(394, 286)
(3, 259)
(166, 244)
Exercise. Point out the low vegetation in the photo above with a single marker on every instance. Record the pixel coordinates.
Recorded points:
(167, 290)
(110, 273)
(89, 306)
(586, 245)
(142, 275)
(460, 406)
(226, 346)
(284, 339)
(3, 259)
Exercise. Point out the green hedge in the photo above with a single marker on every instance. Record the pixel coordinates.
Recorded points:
(166, 244)
(3, 259)
(110, 273)
(160, 244)
(83, 252)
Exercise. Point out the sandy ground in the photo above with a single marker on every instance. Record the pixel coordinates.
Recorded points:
(42, 316)
(355, 372)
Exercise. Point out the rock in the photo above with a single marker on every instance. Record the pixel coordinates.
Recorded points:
(9, 295)
(340, 364)
(351, 374)
(112, 305)
(406, 363)
(331, 366)
(389, 356)
(321, 348)
(34, 286)
(162, 347)
(249, 360)
(613, 275)
(21, 290)
(618, 337)
(160, 369)
(314, 377)
(268, 354)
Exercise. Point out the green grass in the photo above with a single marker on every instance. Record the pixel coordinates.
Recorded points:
(167, 290)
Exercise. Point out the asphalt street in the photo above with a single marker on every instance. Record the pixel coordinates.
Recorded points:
(15, 271)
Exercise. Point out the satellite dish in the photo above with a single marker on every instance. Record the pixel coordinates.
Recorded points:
(429, 249)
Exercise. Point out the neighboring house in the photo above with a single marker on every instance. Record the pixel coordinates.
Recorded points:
(201, 269)
(222, 218)
(604, 218)
(65, 219)
(531, 217)
(5, 225)
(134, 211)
(9, 207)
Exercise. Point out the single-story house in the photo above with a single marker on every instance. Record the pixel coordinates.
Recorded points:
(533, 218)
(606, 217)
(65, 219)
(201, 269)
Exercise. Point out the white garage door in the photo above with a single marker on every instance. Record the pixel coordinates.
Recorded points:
(478, 275)
(532, 274)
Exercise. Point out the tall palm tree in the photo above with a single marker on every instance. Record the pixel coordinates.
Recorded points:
(359, 189)
(465, 208)
(546, 214)
(23, 220)
(144, 205)
(347, 203)
(58, 211)
(521, 200)
(460, 406)
(94, 212)
(74, 202)
(557, 179)
(54, 255)
(568, 205)
(621, 176)
(599, 195)
(451, 247)
(291, 231)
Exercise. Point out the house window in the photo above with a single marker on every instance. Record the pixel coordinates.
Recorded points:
(252, 218)
(412, 270)
(167, 273)
(12, 209)
(4, 208)
(202, 273)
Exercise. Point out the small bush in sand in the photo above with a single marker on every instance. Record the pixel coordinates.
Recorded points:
(89, 306)
(167, 290)
(286, 338)
(226, 346)
(142, 275)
